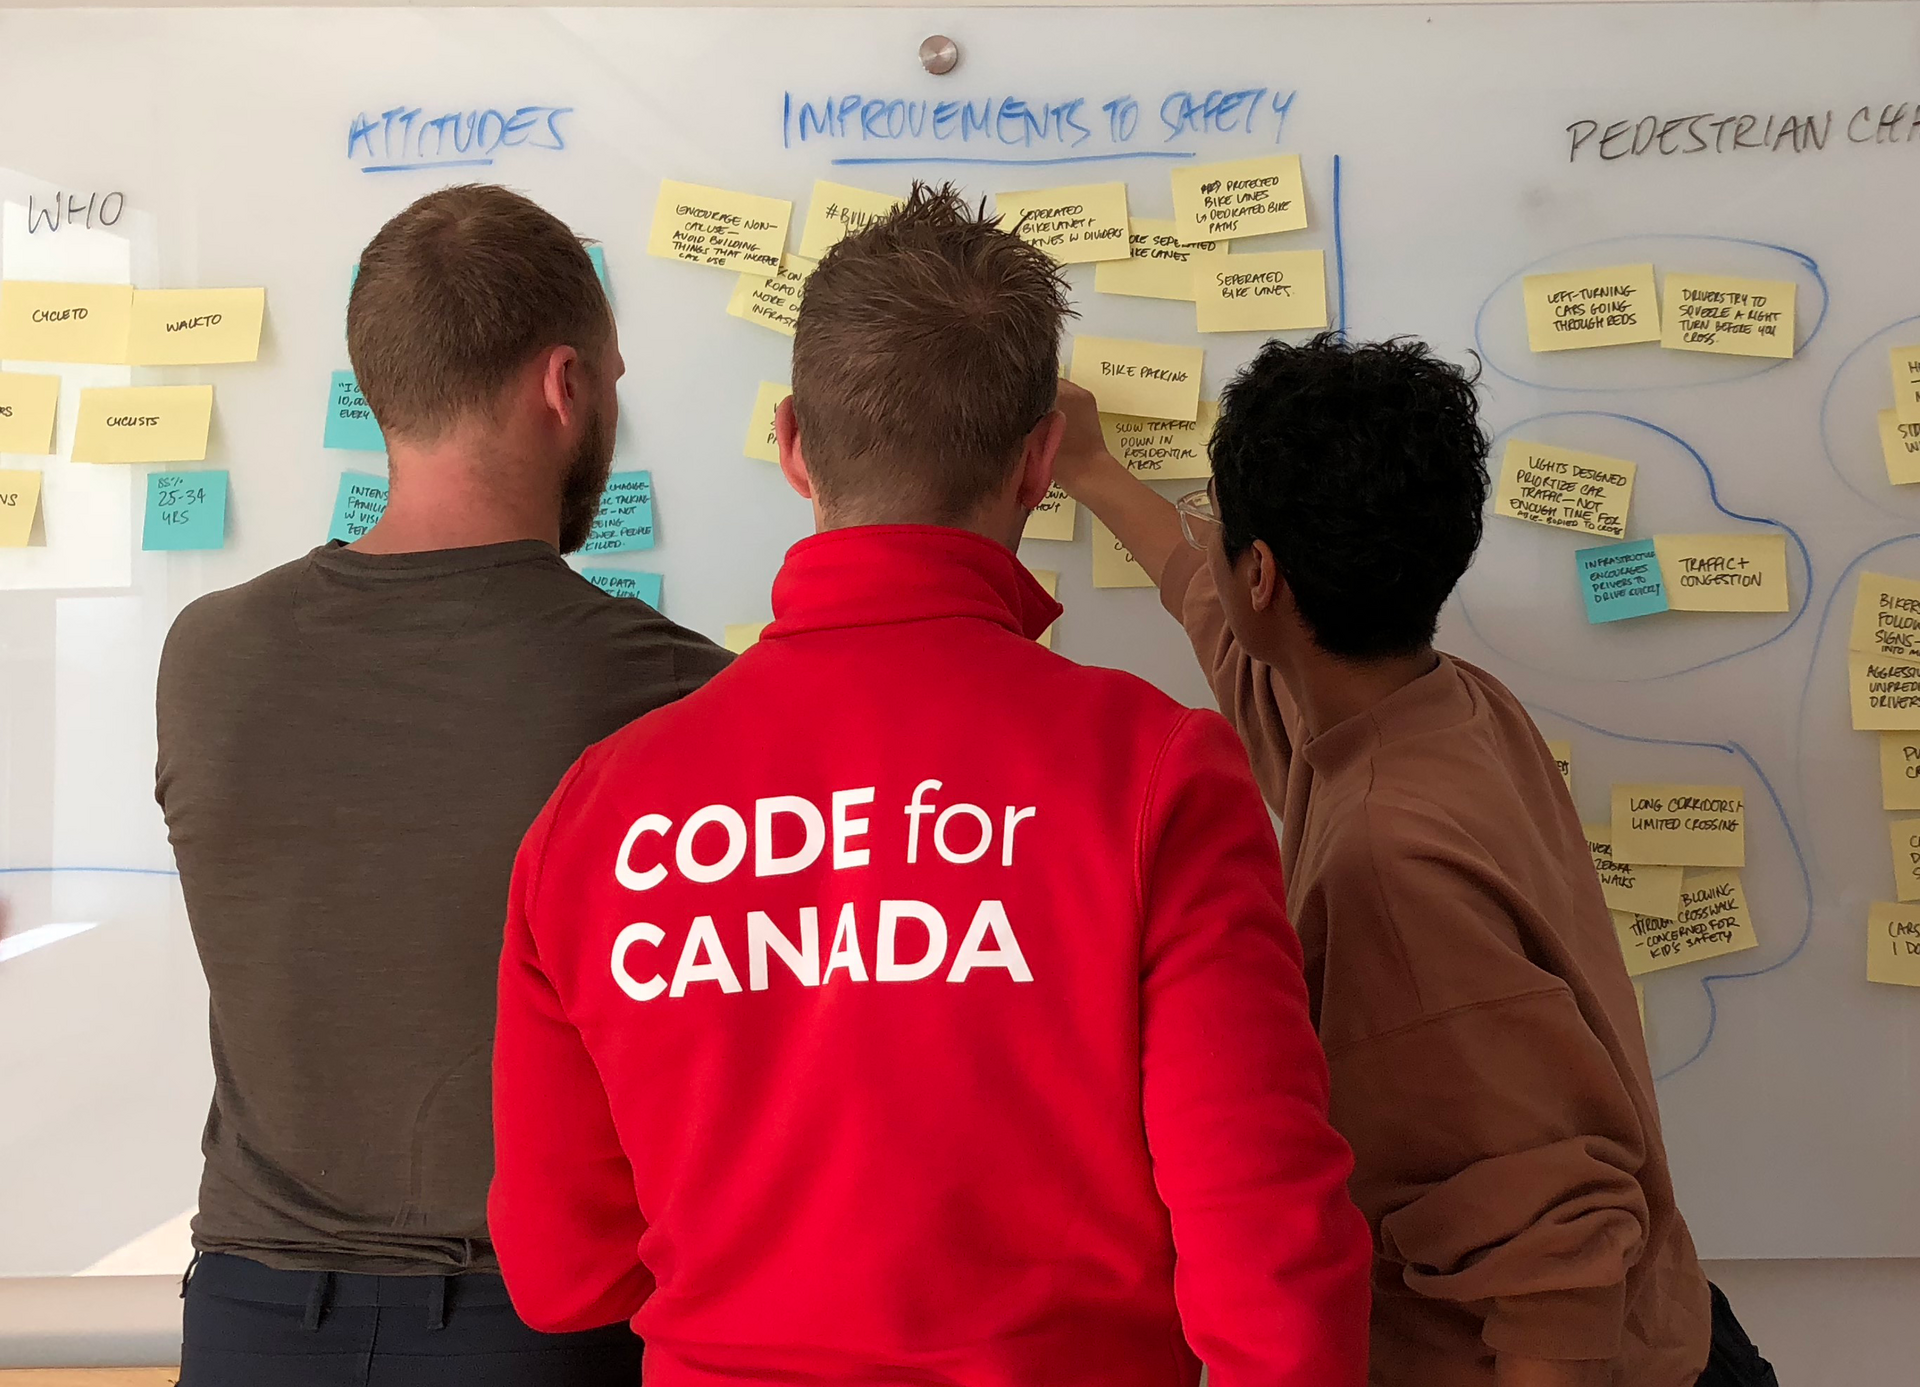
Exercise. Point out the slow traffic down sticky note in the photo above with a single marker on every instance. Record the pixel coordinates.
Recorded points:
(1607, 307)
(1243, 197)
(625, 521)
(1114, 565)
(1162, 449)
(358, 506)
(761, 443)
(27, 404)
(143, 423)
(185, 510)
(19, 499)
(45, 321)
(1893, 944)
(1906, 382)
(1899, 770)
(1899, 448)
(1159, 266)
(714, 226)
(1149, 379)
(1634, 887)
(742, 636)
(1680, 825)
(1278, 291)
(1049, 579)
(773, 301)
(1884, 692)
(1073, 225)
(1724, 573)
(350, 421)
(1565, 488)
(195, 327)
(1052, 518)
(1714, 920)
(1886, 616)
(1736, 317)
(1618, 581)
(834, 210)
(626, 582)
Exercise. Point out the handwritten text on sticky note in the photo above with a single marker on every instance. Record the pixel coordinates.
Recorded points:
(1591, 308)
(773, 301)
(761, 443)
(1680, 825)
(1714, 920)
(185, 510)
(1893, 944)
(1636, 887)
(46, 321)
(195, 327)
(1162, 449)
(1906, 382)
(835, 211)
(27, 404)
(625, 521)
(1886, 616)
(357, 506)
(1619, 581)
(1244, 197)
(1148, 379)
(19, 499)
(1278, 291)
(350, 421)
(1884, 692)
(626, 582)
(1073, 225)
(1565, 488)
(1114, 565)
(143, 423)
(1159, 266)
(1052, 518)
(1736, 317)
(713, 226)
(1899, 770)
(1899, 448)
(1724, 573)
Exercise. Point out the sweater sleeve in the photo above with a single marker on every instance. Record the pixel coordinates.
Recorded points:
(1271, 1256)
(562, 1212)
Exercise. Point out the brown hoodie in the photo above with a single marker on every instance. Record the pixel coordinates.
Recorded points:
(1487, 1059)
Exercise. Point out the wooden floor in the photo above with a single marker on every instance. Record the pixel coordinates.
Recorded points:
(89, 1377)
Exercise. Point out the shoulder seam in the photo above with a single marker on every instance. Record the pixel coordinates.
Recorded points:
(1427, 1019)
(1180, 724)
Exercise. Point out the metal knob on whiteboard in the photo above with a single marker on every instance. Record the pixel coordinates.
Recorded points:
(939, 55)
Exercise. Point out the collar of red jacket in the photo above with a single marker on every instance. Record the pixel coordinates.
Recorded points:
(879, 575)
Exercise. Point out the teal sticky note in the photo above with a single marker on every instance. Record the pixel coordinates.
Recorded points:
(362, 500)
(350, 424)
(626, 515)
(598, 255)
(1621, 581)
(626, 582)
(185, 510)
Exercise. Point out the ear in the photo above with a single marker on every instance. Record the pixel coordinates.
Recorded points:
(1042, 446)
(786, 435)
(563, 384)
(1264, 583)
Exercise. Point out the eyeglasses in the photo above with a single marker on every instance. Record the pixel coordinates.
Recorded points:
(1199, 521)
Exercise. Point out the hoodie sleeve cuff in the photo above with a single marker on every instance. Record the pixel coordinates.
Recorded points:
(1584, 1323)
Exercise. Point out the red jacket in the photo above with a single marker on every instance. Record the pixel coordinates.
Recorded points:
(893, 1008)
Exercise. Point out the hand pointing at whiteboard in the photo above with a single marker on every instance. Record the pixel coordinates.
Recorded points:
(1143, 520)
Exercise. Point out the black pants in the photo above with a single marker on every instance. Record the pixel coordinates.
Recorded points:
(1734, 1361)
(250, 1326)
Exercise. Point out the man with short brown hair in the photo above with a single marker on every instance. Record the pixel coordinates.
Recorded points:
(350, 747)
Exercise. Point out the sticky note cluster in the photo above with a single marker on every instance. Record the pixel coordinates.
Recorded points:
(1159, 266)
(1883, 654)
(1616, 305)
(116, 324)
(773, 301)
(1714, 920)
(1669, 865)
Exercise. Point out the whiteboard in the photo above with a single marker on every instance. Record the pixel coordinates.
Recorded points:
(255, 148)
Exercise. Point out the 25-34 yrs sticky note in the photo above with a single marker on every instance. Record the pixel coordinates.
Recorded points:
(713, 226)
(27, 403)
(1906, 383)
(143, 423)
(1619, 581)
(1244, 197)
(1899, 770)
(835, 210)
(1724, 573)
(1162, 449)
(1606, 307)
(1158, 266)
(185, 510)
(626, 515)
(19, 499)
(1635, 887)
(1149, 379)
(1737, 317)
(1566, 488)
(1073, 225)
(1273, 292)
(1714, 920)
(1884, 692)
(1680, 825)
(626, 582)
(773, 301)
(45, 321)
(350, 421)
(358, 506)
(1893, 944)
(761, 444)
(1052, 518)
(195, 327)
(1049, 579)
(1114, 565)
(1899, 448)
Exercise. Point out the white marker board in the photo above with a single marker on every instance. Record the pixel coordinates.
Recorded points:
(1790, 1106)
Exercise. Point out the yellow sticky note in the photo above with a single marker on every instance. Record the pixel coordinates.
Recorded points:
(1714, 920)
(1274, 292)
(195, 327)
(1073, 225)
(1113, 565)
(1884, 692)
(836, 210)
(1680, 825)
(1243, 197)
(1158, 266)
(44, 321)
(1893, 944)
(713, 226)
(1562, 754)
(27, 404)
(1900, 448)
(1633, 887)
(1906, 383)
(1591, 308)
(1052, 518)
(761, 443)
(1899, 770)
(1736, 317)
(772, 300)
(1724, 573)
(740, 637)
(1148, 379)
(1886, 616)
(1049, 579)
(1162, 449)
(19, 499)
(1565, 488)
(1906, 858)
(143, 423)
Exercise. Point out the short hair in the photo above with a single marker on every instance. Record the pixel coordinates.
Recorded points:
(927, 347)
(1364, 469)
(458, 292)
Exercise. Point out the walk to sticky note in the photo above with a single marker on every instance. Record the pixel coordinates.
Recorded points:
(143, 423)
(1640, 888)
(626, 582)
(1884, 692)
(1565, 488)
(1073, 225)
(625, 521)
(1243, 197)
(1162, 449)
(357, 506)
(1893, 944)
(761, 443)
(46, 321)
(19, 499)
(1714, 920)
(1052, 518)
(1680, 825)
(195, 327)
(350, 421)
(835, 210)
(27, 404)
(773, 301)
(1591, 308)
(1736, 317)
(1114, 565)
(1906, 383)
(1049, 579)
(1273, 292)
(185, 510)
(1724, 573)
(1158, 266)
(713, 226)
(1618, 581)
(1148, 379)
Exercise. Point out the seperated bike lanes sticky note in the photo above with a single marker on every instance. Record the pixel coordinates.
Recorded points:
(742, 636)
(761, 445)
(1049, 579)
(1162, 449)
(27, 405)
(1899, 448)
(1735, 317)
(1905, 362)
(1242, 197)
(835, 210)
(1886, 616)
(625, 521)
(1074, 225)
(357, 506)
(195, 327)
(1565, 488)
(1899, 770)
(185, 510)
(1714, 920)
(42, 320)
(1893, 944)
(1606, 307)
(1052, 518)
(1724, 573)
(350, 422)
(1114, 565)
(1158, 266)
(1276, 291)
(773, 301)
(1620, 581)
(1680, 825)
(627, 582)
(718, 227)
(1562, 754)
(1148, 379)
(1639, 888)
(1883, 691)
(19, 499)
(143, 423)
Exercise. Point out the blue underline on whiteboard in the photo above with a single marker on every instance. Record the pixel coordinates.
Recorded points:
(109, 871)
(430, 164)
(1339, 249)
(982, 159)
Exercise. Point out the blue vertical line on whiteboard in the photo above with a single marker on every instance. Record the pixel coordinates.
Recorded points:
(1339, 251)
(1826, 402)
(987, 159)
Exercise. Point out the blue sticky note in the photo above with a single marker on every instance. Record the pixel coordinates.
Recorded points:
(598, 255)
(626, 515)
(626, 582)
(361, 502)
(350, 424)
(1621, 580)
(186, 510)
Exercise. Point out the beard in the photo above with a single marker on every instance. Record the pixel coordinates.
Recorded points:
(586, 478)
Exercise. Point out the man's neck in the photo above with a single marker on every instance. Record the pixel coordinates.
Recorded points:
(1329, 690)
(438, 500)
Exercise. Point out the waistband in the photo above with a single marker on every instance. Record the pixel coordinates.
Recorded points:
(316, 1292)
